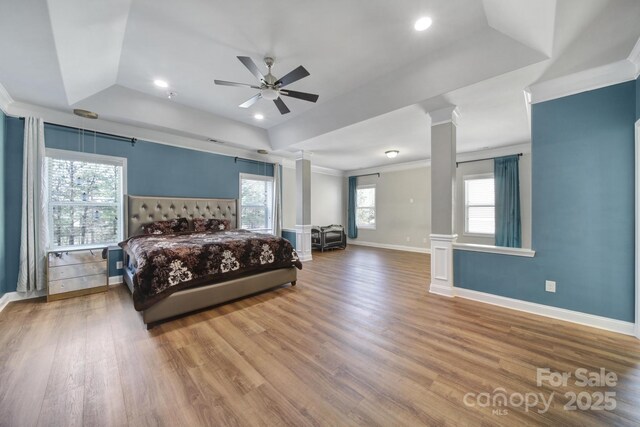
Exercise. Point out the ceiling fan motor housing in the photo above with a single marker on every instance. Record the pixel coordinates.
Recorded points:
(270, 86)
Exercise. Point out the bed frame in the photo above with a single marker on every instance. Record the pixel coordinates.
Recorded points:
(141, 210)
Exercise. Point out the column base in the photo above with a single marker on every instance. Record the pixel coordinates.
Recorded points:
(303, 242)
(442, 264)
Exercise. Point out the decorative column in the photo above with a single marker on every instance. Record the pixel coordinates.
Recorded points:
(303, 206)
(443, 180)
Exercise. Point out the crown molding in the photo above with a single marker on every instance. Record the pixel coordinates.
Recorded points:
(291, 164)
(583, 81)
(524, 148)
(391, 168)
(634, 57)
(326, 171)
(5, 99)
(20, 109)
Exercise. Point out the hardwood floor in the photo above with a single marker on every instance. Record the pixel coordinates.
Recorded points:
(359, 341)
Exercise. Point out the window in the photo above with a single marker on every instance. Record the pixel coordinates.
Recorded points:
(85, 198)
(479, 204)
(256, 202)
(366, 206)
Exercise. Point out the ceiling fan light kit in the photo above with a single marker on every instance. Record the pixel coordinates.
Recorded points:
(271, 87)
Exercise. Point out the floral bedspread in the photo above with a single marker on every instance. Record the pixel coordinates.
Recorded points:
(168, 263)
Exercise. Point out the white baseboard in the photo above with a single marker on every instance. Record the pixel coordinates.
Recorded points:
(18, 296)
(393, 247)
(115, 280)
(438, 289)
(586, 319)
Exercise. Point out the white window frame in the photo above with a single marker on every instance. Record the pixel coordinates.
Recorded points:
(466, 204)
(90, 158)
(269, 208)
(375, 207)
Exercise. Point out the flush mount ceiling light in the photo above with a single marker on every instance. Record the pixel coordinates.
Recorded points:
(423, 23)
(391, 153)
(85, 114)
(161, 83)
(258, 116)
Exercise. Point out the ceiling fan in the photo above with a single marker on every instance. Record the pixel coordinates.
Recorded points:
(271, 88)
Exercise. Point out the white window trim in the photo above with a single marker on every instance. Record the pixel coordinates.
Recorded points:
(466, 178)
(93, 158)
(253, 177)
(375, 207)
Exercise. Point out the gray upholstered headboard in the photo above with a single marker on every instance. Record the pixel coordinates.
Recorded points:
(143, 210)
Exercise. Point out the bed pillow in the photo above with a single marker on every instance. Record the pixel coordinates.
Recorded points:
(170, 226)
(211, 224)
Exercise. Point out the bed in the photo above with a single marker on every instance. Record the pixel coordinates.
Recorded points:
(159, 295)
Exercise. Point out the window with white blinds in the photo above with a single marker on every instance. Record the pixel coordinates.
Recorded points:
(479, 207)
(256, 202)
(366, 206)
(85, 198)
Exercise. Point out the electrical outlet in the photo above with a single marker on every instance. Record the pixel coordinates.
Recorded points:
(119, 265)
(410, 200)
(424, 240)
(550, 286)
(408, 239)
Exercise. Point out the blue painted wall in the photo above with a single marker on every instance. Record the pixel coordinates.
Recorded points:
(290, 236)
(3, 277)
(152, 170)
(582, 210)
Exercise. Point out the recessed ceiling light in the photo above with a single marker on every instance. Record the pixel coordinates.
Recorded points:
(258, 116)
(391, 153)
(422, 23)
(161, 83)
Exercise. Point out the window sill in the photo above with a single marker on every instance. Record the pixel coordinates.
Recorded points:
(486, 236)
(110, 246)
(260, 230)
(366, 227)
(522, 252)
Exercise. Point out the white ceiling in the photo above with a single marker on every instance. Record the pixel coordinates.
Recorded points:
(375, 75)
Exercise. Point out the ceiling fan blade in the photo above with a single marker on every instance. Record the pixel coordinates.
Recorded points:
(300, 95)
(251, 101)
(226, 83)
(293, 76)
(281, 106)
(251, 66)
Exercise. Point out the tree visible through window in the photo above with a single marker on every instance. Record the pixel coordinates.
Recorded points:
(256, 202)
(85, 199)
(479, 205)
(366, 206)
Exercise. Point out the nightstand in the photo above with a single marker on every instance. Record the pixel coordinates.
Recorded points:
(75, 272)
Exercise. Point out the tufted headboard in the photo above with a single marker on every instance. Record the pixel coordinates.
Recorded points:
(143, 210)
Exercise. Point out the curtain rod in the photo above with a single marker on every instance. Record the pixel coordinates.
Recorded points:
(110, 135)
(367, 174)
(488, 158)
(235, 159)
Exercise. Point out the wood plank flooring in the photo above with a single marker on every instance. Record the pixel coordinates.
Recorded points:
(359, 341)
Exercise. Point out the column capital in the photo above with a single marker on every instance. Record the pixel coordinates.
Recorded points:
(449, 114)
(303, 155)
